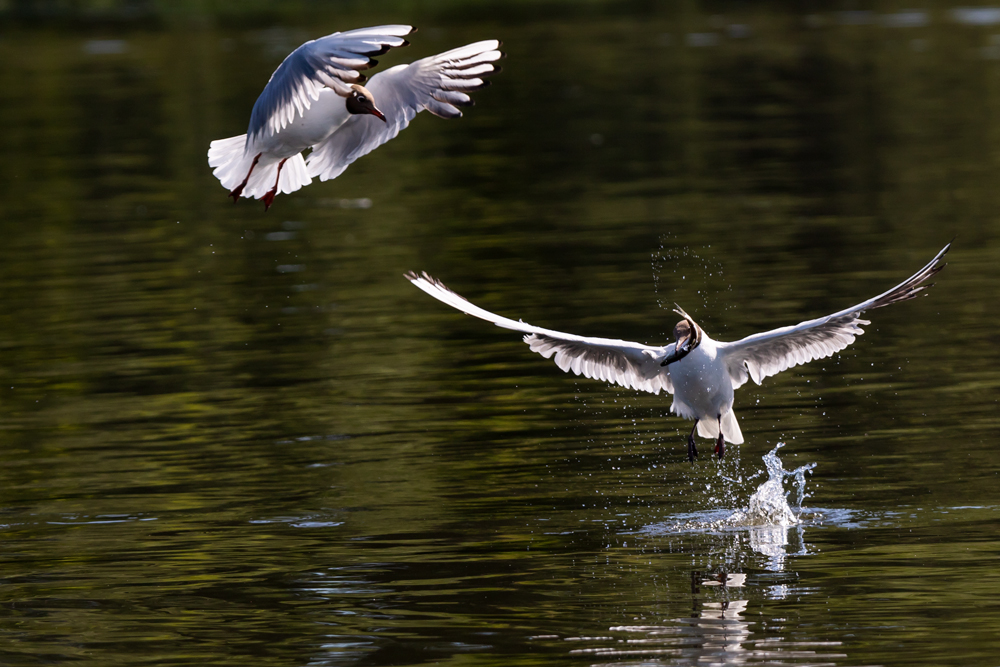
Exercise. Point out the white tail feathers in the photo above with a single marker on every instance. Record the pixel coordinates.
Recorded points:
(709, 428)
(229, 158)
(293, 176)
(232, 163)
(731, 428)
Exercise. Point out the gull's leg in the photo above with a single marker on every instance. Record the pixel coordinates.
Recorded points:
(235, 194)
(692, 448)
(720, 442)
(269, 197)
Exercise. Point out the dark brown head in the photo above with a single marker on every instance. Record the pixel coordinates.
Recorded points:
(687, 336)
(682, 331)
(361, 101)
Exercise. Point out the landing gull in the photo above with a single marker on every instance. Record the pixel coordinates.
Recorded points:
(315, 100)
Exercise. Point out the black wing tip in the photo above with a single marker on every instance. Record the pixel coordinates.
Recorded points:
(414, 277)
(423, 276)
(384, 48)
(912, 287)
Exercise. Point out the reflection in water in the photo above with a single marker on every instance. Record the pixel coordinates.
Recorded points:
(777, 543)
(987, 16)
(721, 627)
(718, 632)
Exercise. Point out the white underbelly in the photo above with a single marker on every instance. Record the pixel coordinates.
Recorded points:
(323, 117)
(702, 388)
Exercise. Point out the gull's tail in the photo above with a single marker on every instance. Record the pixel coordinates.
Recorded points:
(232, 163)
(709, 428)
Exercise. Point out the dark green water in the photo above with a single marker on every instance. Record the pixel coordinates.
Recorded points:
(237, 438)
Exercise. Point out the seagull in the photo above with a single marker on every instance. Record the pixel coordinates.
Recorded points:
(700, 372)
(315, 100)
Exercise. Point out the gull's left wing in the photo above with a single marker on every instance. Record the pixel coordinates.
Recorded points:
(438, 83)
(625, 363)
(761, 355)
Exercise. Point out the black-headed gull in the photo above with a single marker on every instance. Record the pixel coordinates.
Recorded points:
(315, 100)
(701, 373)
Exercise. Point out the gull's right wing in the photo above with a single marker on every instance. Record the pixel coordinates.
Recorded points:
(333, 61)
(619, 361)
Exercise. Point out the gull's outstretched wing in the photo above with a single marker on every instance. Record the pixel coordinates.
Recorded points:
(620, 361)
(437, 83)
(758, 356)
(333, 61)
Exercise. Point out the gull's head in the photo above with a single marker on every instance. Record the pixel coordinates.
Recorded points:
(687, 336)
(362, 101)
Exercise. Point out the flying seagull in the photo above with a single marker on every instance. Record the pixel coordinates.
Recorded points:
(701, 373)
(315, 100)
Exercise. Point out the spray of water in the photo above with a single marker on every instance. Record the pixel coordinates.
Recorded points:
(769, 504)
(773, 526)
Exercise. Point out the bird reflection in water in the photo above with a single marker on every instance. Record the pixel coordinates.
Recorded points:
(720, 625)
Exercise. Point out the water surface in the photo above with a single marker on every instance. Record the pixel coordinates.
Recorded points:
(231, 437)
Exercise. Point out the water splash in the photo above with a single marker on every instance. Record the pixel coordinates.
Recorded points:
(769, 504)
(772, 526)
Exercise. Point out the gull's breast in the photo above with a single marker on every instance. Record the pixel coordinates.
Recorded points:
(701, 382)
(323, 117)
